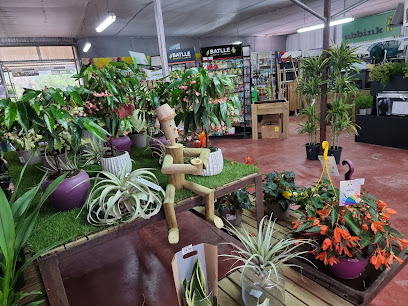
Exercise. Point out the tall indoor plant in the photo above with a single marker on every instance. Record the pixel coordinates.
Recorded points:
(310, 83)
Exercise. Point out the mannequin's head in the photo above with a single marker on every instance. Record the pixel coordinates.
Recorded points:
(166, 115)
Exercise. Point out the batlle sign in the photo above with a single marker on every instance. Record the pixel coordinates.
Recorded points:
(226, 51)
(181, 55)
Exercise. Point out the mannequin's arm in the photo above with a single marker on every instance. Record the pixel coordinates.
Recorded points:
(202, 153)
(168, 167)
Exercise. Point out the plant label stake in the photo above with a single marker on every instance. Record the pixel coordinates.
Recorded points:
(349, 173)
(174, 167)
(350, 190)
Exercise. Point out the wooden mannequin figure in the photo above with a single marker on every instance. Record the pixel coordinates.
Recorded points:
(174, 167)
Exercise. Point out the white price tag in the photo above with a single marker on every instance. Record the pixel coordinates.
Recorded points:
(231, 217)
(147, 183)
(22, 160)
(256, 293)
(187, 249)
(331, 164)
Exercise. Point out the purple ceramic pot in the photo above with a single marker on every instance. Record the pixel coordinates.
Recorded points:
(348, 268)
(66, 197)
(154, 143)
(122, 143)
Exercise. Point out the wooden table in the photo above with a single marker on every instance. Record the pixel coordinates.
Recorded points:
(49, 263)
(270, 108)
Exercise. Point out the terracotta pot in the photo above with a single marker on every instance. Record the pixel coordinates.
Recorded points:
(154, 143)
(348, 268)
(277, 212)
(115, 164)
(233, 216)
(138, 140)
(24, 157)
(63, 157)
(215, 164)
(121, 143)
(71, 193)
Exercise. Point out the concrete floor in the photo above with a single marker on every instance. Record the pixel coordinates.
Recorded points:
(385, 171)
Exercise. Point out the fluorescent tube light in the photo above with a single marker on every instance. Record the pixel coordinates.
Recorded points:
(86, 47)
(106, 23)
(237, 42)
(321, 26)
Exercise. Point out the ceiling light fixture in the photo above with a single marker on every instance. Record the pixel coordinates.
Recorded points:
(86, 47)
(321, 26)
(237, 42)
(106, 23)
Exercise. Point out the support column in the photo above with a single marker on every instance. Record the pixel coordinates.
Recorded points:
(325, 75)
(160, 36)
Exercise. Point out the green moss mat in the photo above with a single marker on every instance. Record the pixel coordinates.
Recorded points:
(53, 226)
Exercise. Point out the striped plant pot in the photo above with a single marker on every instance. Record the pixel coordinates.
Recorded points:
(115, 164)
(215, 164)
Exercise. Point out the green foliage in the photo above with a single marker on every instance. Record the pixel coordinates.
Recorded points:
(236, 200)
(382, 73)
(310, 124)
(194, 291)
(310, 81)
(363, 100)
(278, 189)
(17, 218)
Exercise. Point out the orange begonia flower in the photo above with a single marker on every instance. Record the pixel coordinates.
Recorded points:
(347, 252)
(381, 204)
(389, 211)
(322, 256)
(324, 213)
(376, 225)
(333, 260)
(404, 242)
(337, 234)
(323, 229)
(327, 243)
(202, 139)
(248, 160)
(399, 260)
(364, 227)
(345, 234)
(315, 222)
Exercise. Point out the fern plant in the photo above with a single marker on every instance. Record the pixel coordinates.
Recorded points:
(124, 198)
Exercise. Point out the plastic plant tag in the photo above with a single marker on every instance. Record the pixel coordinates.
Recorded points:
(231, 217)
(256, 293)
(187, 249)
(22, 160)
(350, 192)
(147, 183)
(331, 163)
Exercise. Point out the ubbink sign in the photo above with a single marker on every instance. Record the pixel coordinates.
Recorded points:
(181, 55)
(370, 28)
(226, 51)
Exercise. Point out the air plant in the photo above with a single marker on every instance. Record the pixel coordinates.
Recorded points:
(265, 254)
(124, 198)
(93, 152)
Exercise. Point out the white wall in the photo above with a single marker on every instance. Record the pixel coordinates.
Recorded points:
(311, 40)
(120, 46)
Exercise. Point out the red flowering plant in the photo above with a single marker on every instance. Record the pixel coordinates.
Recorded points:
(353, 231)
(203, 102)
(114, 92)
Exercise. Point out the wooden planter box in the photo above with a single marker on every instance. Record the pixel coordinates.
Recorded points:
(359, 291)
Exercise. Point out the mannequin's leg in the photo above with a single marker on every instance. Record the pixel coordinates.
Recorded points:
(170, 214)
(208, 195)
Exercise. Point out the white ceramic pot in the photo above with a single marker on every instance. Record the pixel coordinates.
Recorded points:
(363, 111)
(138, 140)
(215, 164)
(24, 157)
(115, 164)
(368, 111)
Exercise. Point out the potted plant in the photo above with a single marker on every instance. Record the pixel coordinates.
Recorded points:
(18, 217)
(278, 193)
(342, 61)
(262, 258)
(364, 102)
(309, 85)
(124, 198)
(351, 236)
(138, 134)
(26, 145)
(230, 206)
(202, 101)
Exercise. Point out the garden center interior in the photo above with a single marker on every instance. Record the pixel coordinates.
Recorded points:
(178, 152)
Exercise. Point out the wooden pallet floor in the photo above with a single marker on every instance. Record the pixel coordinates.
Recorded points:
(300, 290)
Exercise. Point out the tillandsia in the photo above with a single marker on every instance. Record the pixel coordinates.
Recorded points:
(353, 231)
(124, 198)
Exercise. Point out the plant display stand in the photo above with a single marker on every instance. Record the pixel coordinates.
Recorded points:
(49, 264)
(270, 108)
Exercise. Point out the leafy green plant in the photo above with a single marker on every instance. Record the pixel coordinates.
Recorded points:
(382, 73)
(123, 198)
(58, 167)
(236, 200)
(310, 80)
(92, 152)
(310, 124)
(278, 189)
(17, 219)
(138, 119)
(264, 253)
(194, 290)
(363, 100)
